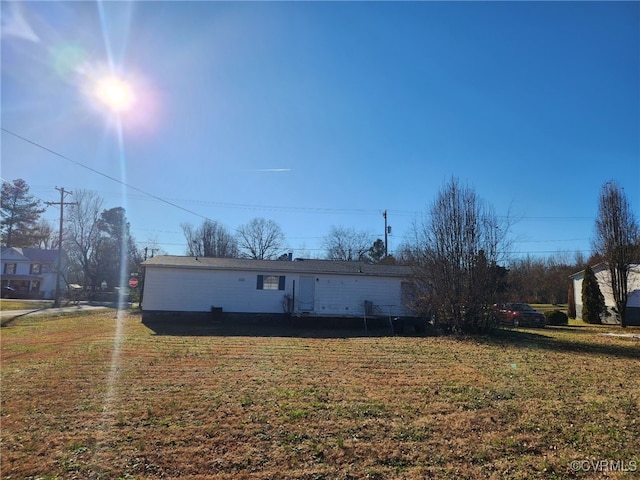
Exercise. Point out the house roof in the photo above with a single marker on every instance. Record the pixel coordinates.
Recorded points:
(38, 255)
(295, 266)
(598, 267)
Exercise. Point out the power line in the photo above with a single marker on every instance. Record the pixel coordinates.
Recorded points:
(315, 210)
(13, 185)
(288, 208)
(63, 195)
(104, 174)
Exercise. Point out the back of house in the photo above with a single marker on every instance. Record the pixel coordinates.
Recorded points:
(321, 288)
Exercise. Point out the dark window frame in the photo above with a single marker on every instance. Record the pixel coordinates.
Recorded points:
(270, 284)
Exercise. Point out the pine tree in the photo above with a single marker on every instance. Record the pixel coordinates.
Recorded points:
(20, 215)
(593, 305)
(376, 252)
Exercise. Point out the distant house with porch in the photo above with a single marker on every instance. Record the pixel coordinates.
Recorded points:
(29, 272)
(302, 287)
(603, 277)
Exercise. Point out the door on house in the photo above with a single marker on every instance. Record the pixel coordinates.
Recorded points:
(306, 294)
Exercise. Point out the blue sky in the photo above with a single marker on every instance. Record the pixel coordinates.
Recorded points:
(327, 113)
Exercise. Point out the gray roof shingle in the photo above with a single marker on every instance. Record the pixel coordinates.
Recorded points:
(37, 255)
(296, 266)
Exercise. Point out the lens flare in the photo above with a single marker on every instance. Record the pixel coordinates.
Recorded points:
(114, 93)
(67, 59)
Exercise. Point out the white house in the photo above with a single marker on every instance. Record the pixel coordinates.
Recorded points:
(603, 277)
(322, 288)
(29, 272)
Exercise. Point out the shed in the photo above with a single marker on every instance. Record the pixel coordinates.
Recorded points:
(302, 287)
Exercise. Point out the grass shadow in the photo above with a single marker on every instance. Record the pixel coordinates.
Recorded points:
(5, 322)
(501, 337)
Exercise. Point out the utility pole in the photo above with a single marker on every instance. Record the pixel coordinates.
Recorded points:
(146, 251)
(386, 250)
(63, 193)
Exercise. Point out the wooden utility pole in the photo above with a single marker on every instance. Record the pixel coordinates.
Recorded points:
(144, 271)
(63, 193)
(386, 231)
(146, 251)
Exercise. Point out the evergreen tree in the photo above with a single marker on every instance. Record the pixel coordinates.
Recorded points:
(376, 252)
(593, 305)
(20, 215)
(117, 252)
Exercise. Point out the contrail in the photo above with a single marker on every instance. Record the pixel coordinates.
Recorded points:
(270, 170)
(14, 24)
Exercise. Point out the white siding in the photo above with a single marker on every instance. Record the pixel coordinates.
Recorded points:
(46, 277)
(345, 295)
(197, 290)
(603, 277)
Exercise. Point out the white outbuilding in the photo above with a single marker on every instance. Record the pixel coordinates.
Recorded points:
(601, 272)
(302, 287)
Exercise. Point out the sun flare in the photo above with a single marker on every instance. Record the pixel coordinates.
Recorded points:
(114, 93)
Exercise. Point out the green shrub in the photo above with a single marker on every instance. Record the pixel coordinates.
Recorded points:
(556, 317)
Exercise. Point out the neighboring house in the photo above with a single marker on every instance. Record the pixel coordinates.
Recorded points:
(603, 277)
(316, 288)
(29, 272)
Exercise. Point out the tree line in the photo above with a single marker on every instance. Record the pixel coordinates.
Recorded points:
(97, 240)
(457, 249)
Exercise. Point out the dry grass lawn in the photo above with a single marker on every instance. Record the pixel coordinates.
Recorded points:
(104, 397)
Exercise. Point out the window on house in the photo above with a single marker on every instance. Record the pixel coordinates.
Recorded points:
(36, 269)
(10, 268)
(270, 282)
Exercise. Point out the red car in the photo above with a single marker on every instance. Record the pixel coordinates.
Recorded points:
(519, 315)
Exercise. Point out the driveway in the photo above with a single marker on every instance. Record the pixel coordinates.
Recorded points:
(6, 316)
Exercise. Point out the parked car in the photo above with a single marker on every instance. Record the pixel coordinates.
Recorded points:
(519, 315)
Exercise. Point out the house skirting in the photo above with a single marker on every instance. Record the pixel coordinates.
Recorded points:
(164, 322)
(633, 316)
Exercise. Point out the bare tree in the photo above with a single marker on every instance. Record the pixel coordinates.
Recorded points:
(456, 251)
(82, 235)
(540, 280)
(343, 243)
(44, 235)
(261, 239)
(98, 242)
(617, 240)
(152, 248)
(211, 239)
